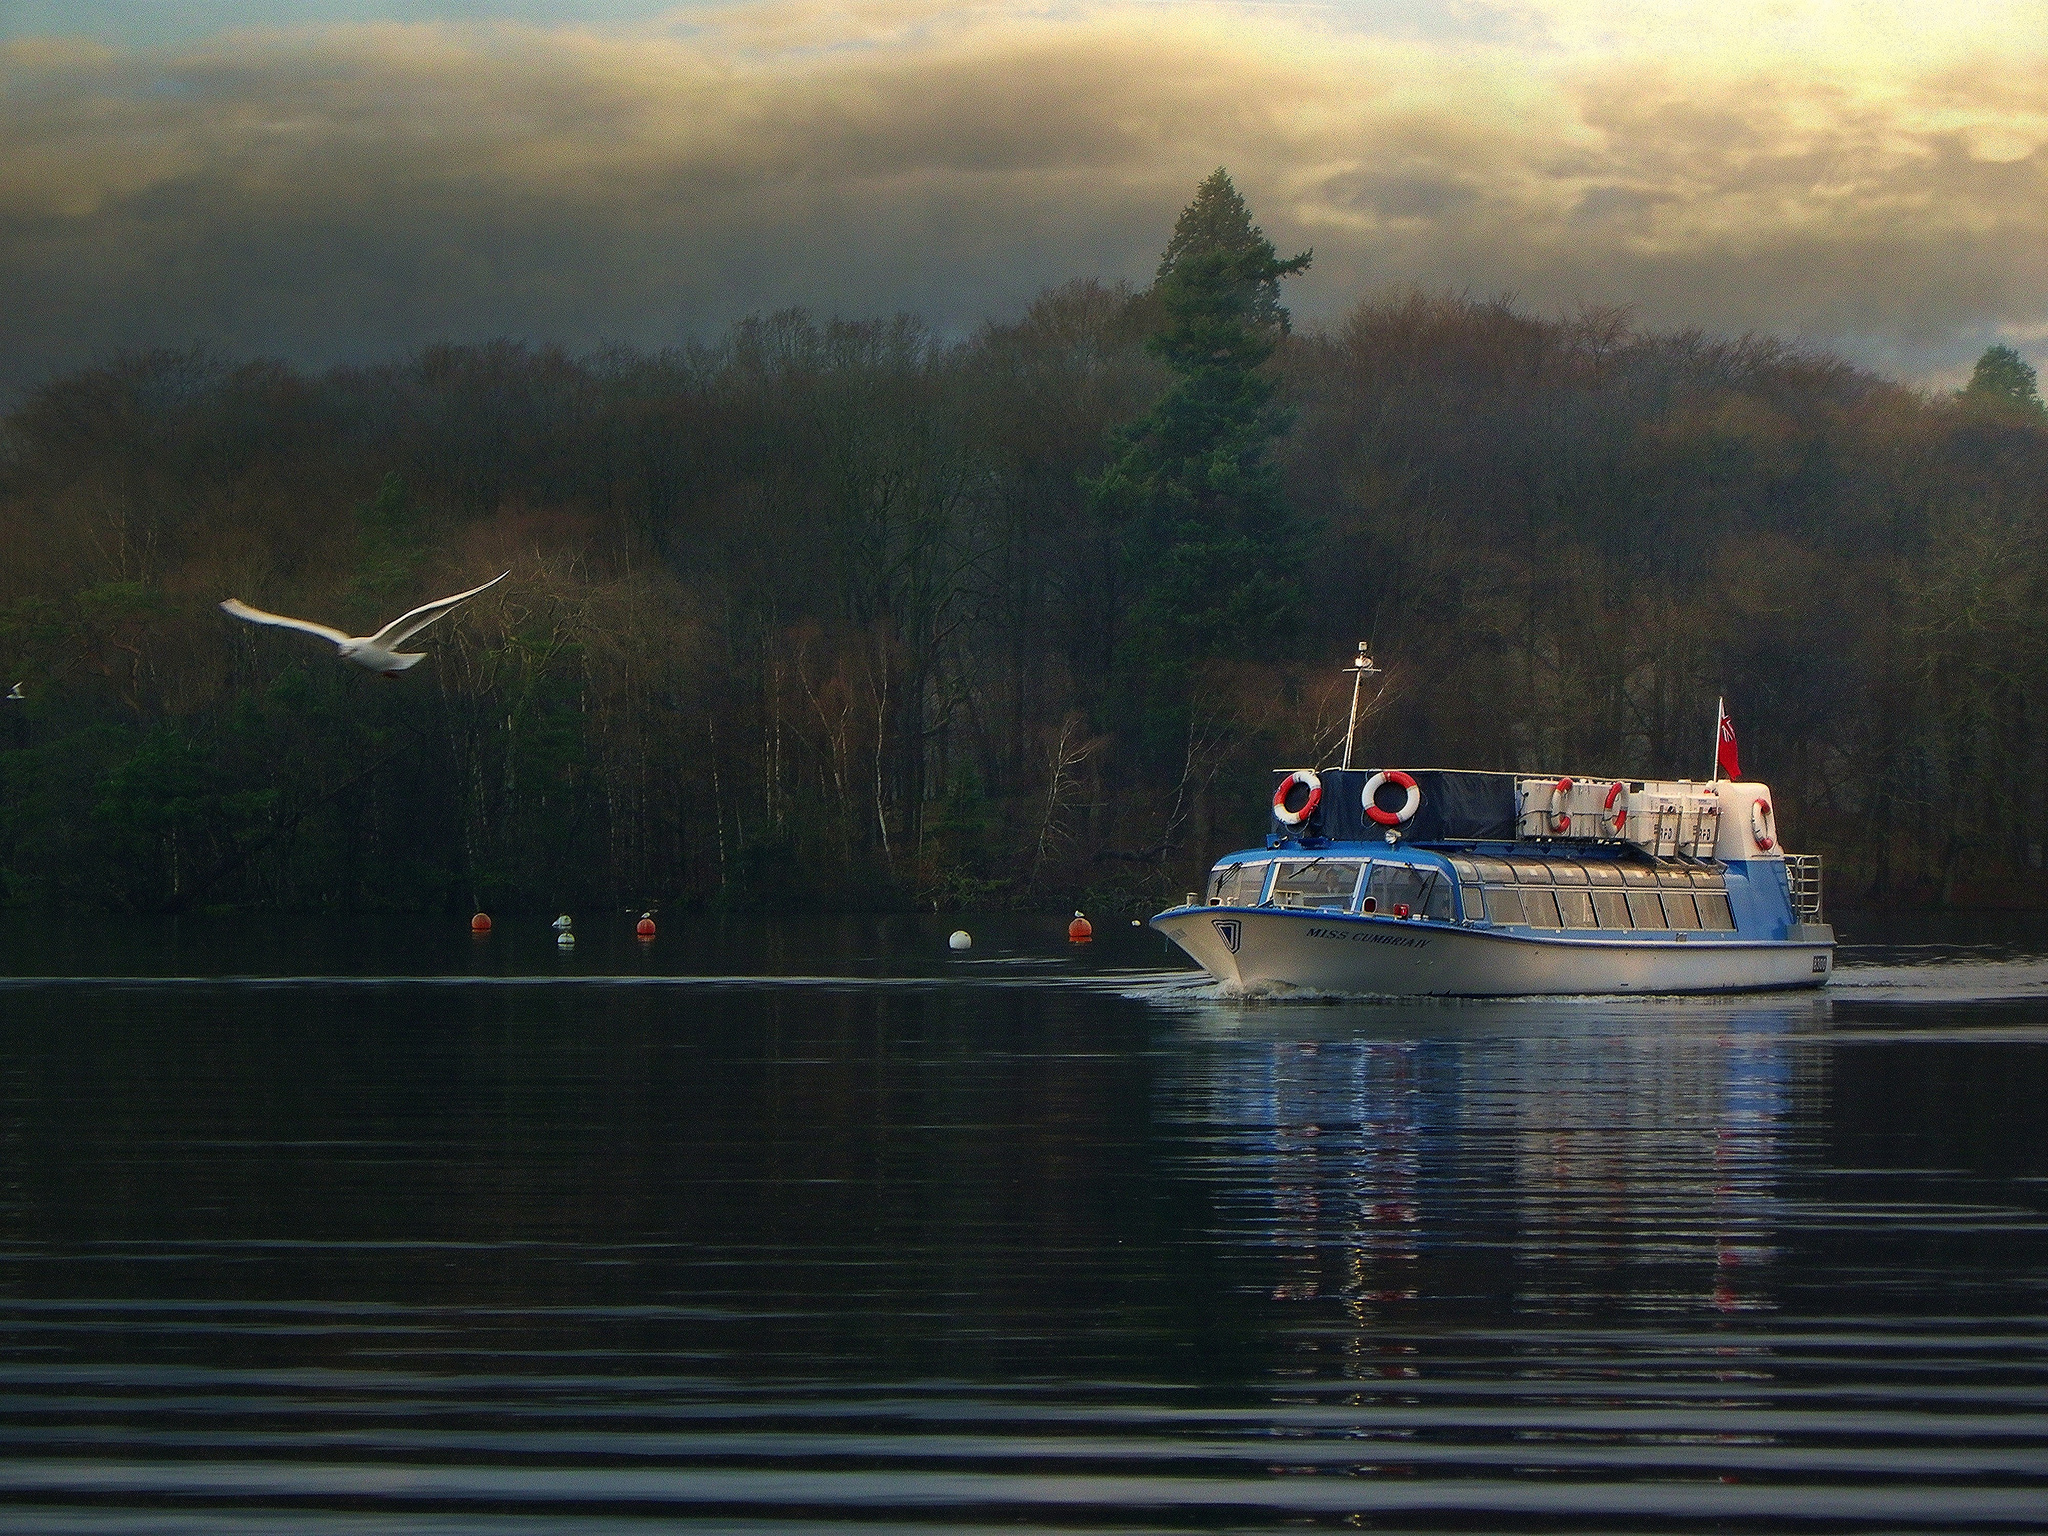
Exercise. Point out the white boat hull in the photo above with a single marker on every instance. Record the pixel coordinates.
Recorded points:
(1258, 948)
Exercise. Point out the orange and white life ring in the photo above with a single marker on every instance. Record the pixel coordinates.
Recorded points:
(1557, 816)
(1308, 779)
(1761, 825)
(1614, 793)
(1369, 797)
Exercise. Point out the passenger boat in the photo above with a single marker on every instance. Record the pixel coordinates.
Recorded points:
(1445, 883)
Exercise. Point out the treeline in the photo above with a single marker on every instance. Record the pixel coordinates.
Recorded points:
(847, 613)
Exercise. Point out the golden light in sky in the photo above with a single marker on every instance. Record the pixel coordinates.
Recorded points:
(1867, 176)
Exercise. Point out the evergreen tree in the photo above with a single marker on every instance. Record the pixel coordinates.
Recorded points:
(390, 544)
(1219, 220)
(1206, 542)
(2005, 380)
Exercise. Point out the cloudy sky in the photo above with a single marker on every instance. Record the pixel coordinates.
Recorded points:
(345, 179)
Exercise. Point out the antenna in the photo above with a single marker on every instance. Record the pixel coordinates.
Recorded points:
(1360, 667)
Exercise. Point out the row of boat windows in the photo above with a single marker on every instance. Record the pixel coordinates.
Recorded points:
(1334, 885)
(1539, 893)
(1582, 872)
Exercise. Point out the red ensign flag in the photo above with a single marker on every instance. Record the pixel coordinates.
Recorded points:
(1725, 748)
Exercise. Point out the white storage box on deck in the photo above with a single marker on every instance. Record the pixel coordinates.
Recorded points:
(1664, 817)
(1670, 818)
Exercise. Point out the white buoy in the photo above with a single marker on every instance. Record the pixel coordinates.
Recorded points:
(961, 939)
(566, 939)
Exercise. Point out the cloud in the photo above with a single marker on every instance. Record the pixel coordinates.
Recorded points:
(1846, 175)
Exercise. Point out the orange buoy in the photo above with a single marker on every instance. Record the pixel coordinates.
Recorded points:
(481, 923)
(645, 927)
(1080, 930)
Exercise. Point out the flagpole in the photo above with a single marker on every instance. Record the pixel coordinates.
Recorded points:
(1720, 714)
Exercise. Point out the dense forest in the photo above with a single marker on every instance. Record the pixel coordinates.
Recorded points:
(846, 613)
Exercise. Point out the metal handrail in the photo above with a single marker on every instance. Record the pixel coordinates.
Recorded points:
(1802, 872)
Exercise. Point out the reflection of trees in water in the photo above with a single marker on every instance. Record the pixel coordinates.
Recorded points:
(1634, 1170)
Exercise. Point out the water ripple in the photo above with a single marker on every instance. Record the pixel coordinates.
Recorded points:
(1052, 1240)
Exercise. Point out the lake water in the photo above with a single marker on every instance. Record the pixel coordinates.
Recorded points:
(368, 1227)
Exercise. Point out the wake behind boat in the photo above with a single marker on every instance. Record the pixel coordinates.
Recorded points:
(1446, 883)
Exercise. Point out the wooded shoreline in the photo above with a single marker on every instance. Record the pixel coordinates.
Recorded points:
(838, 615)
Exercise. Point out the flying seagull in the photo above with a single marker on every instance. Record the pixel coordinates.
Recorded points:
(17, 694)
(377, 652)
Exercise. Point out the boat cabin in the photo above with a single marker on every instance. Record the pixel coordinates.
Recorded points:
(1500, 887)
(1603, 857)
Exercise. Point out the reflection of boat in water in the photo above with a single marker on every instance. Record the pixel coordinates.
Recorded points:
(1447, 883)
(1391, 1157)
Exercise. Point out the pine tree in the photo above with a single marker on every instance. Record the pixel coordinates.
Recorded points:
(1207, 544)
(2005, 381)
(1219, 220)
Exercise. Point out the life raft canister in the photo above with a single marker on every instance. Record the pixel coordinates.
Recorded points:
(1369, 797)
(1616, 792)
(1301, 778)
(1559, 818)
(1761, 826)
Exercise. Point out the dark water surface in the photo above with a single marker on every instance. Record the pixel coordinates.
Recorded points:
(369, 1227)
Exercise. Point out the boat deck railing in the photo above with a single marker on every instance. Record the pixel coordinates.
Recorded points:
(1802, 870)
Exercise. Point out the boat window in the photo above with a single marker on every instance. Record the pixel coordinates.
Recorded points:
(1394, 886)
(1679, 911)
(1634, 874)
(1436, 906)
(1576, 908)
(1216, 878)
(1541, 905)
(1673, 877)
(1611, 907)
(1532, 874)
(1714, 911)
(1493, 872)
(1565, 873)
(1504, 905)
(1242, 884)
(1644, 911)
(1323, 883)
(1602, 874)
(1709, 880)
(1471, 897)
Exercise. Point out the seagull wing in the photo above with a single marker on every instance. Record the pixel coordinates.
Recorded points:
(398, 631)
(242, 610)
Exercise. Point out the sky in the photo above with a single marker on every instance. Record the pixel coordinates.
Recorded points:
(348, 180)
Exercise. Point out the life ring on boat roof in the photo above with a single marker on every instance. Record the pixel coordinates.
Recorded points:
(1369, 797)
(1560, 819)
(1306, 778)
(1761, 825)
(1617, 792)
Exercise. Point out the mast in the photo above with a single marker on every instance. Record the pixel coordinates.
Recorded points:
(1720, 714)
(1360, 668)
